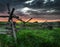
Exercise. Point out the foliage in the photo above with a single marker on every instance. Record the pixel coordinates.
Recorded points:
(27, 37)
(39, 38)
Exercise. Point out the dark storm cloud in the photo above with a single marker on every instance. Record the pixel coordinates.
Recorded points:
(29, 3)
(13, 3)
(32, 8)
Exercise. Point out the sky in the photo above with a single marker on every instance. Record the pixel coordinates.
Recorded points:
(31, 8)
(20, 4)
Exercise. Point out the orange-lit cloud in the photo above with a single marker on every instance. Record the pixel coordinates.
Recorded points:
(27, 18)
(33, 20)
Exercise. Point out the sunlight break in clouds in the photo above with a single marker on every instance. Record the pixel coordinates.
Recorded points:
(24, 10)
(29, 2)
(50, 11)
(45, 1)
(27, 10)
(52, 0)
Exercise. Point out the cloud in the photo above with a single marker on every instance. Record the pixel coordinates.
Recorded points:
(27, 7)
(42, 13)
(21, 3)
(13, 3)
(29, 2)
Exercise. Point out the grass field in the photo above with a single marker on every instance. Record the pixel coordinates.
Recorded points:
(32, 36)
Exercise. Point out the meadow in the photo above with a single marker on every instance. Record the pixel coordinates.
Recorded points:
(32, 35)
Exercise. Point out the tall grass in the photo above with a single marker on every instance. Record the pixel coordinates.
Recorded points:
(39, 38)
(33, 38)
(29, 37)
